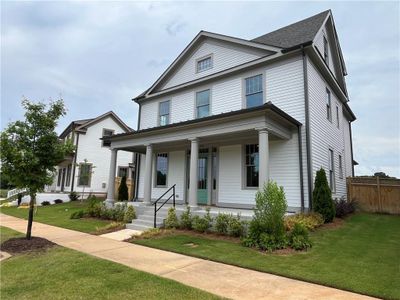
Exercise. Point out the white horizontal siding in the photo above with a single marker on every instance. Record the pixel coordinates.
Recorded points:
(226, 96)
(225, 55)
(319, 44)
(324, 133)
(347, 160)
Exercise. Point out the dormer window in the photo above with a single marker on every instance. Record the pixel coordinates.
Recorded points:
(204, 64)
(326, 51)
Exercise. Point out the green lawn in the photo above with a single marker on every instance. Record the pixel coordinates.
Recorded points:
(361, 256)
(60, 273)
(58, 215)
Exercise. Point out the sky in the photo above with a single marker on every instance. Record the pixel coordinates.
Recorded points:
(97, 56)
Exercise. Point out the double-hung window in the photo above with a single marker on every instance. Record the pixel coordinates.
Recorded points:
(204, 64)
(337, 117)
(164, 113)
(254, 91)
(331, 171)
(251, 165)
(106, 133)
(326, 51)
(85, 174)
(328, 105)
(68, 182)
(59, 177)
(203, 104)
(340, 167)
(161, 169)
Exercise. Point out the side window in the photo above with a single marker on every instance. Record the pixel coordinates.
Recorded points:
(164, 113)
(254, 91)
(326, 50)
(106, 133)
(251, 165)
(328, 105)
(161, 169)
(331, 163)
(85, 174)
(203, 104)
(340, 167)
(337, 117)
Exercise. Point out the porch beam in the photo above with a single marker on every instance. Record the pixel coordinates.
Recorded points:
(194, 157)
(263, 148)
(148, 175)
(111, 179)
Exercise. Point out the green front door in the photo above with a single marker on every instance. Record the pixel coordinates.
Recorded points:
(202, 182)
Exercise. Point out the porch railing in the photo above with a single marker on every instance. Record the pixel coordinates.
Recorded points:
(169, 198)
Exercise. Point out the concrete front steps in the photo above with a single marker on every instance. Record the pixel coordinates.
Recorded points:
(145, 218)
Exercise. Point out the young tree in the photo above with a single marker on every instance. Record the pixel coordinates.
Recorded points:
(123, 190)
(322, 197)
(30, 149)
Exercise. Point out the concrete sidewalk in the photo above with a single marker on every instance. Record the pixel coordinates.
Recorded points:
(217, 278)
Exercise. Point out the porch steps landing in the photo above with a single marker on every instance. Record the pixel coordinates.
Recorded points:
(145, 218)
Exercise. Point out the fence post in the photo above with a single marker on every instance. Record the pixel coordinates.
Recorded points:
(378, 184)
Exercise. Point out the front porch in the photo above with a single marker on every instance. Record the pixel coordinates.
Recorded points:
(228, 156)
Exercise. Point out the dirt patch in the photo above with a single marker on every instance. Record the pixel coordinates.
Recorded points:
(22, 245)
(336, 223)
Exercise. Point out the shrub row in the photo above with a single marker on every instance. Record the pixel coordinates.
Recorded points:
(343, 207)
(310, 220)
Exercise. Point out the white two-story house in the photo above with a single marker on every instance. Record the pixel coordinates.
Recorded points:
(229, 114)
(87, 169)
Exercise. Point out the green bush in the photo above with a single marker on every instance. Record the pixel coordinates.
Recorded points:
(222, 223)
(236, 227)
(298, 238)
(186, 219)
(123, 190)
(322, 197)
(94, 208)
(77, 215)
(58, 201)
(310, 220)
(73, 196)
(130, 214)
(172, 220)
(45, 203)
(267, 230)
(202, 224)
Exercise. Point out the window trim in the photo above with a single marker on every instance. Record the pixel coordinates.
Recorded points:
(244, 167)
(195, 101)
(102, 135)
(337, 116)
(331, 164)
(68, 176)
(340, 158)
(326, 49)
(264, 86)
(328, 95)
(155, 170)
(59, 175)
(127, 171)
(159, 111)
(211, 56)
(90, 174)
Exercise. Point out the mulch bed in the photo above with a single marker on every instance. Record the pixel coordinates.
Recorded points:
(22, 245)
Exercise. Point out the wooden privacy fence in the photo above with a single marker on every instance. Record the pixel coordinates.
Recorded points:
(374, 194)
(129, 183)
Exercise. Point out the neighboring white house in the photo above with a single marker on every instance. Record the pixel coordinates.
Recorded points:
(87, 169)
(229, 114)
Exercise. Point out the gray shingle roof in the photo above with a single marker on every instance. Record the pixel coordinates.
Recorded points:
(295, 34)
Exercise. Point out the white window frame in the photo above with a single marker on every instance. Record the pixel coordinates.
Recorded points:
(169, 113)
(340, 166)
(244, 167)
(103, 135)
(201, 59)
(326, 49)
(328, 104)
(331, 169)
(90, 174)
(244, 89)
(196, 114)
(337, 117)
(165, 154)
(123, 167)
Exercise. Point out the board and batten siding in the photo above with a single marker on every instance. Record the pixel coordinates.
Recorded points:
(325, 134)
(225, 55)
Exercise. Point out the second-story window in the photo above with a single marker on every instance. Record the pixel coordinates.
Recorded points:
(328, 105)
(326, 51)
(106, 133)
(337, 117)
(164, 113)
(204, 64)
(254, 91)
(203, 104)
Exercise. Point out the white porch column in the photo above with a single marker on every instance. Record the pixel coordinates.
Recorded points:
(194, 157)
(147, 175)
(111, 179)
(263, 148)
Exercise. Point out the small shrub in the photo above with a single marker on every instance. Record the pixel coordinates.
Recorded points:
(45, 203)
(150, 233)
(73, 196)
(236, 227)
(117, 213)
(343, 207)
(94, 208)
(123, 190)
(58, 201)
(202, 224)
(77, 215)
(309, 220)
(109, 228)
(222, 223)
(186, 219)
(130, 214)
(267, 225)
(322, 197)
(298, 238)
(172, 220)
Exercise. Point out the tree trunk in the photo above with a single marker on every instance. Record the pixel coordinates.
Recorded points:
(30, 218)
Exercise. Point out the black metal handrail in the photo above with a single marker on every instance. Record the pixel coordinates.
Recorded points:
(155, 203)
